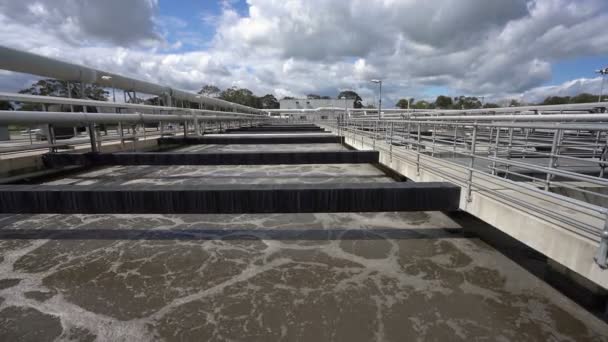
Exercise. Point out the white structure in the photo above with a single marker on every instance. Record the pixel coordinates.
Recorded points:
(314, 109)
(316, 103)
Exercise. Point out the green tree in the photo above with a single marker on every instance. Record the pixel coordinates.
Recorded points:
(268, 101)
(490, 105)
(351, 95)
(241, 96)
(52, 87)
(210, 91)
(514, 103)
(422, 105)
(5, 105)
(402, 103)
(443, 102)
(313, 97)
(467, 102)
(556, 100)
(585, 98)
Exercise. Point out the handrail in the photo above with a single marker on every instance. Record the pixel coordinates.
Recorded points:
(21, 61)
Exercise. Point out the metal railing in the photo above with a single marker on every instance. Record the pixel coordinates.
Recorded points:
(118, 116)
(554, 169)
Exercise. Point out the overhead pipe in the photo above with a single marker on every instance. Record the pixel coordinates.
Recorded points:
(25, 62)
(32, 117)
(105, 104)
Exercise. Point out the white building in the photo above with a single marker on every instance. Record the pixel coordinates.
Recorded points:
(316, 103)
(314, 109)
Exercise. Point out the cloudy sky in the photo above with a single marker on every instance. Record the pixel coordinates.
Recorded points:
(493, 48)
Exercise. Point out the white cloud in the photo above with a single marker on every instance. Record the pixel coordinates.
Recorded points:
(291, 48)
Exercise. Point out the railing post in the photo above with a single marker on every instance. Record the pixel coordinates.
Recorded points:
(418, 151)
(496, 151)
(509, 147)
(375, 133)
(455, 140)
(391, 141)
(434, 131)
(553, 158)
(471, 164)
(601, 258)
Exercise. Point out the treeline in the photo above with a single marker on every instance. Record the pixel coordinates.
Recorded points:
(472, 102)
(246, 97)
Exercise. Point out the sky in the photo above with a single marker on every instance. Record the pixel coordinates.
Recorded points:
(498, 49)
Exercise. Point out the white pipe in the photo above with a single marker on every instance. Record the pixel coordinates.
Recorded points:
(532, 118)
(25, 62)
(30, 117)
(103, 104)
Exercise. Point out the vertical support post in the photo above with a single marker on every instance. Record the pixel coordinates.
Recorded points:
(471, 165)
(496, 151)
(597, 141)
(455, 140)
(391, 141)
(553, 158)
(509, 148)
(601, 258)
(418, 151)
(434, 132)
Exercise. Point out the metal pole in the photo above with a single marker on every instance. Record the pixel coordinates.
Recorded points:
(391, 141)
(471, 165)
(601, 258)
(603, 72)
(496, 150)
(418, 152)
(553, 159)
(380, 101)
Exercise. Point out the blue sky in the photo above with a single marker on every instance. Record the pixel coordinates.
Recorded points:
(524, 49)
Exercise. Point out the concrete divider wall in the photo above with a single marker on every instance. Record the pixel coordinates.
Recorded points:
(234, 198)
(210, 158)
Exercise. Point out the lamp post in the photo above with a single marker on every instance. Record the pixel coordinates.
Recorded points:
(602, 72)
(379, 82)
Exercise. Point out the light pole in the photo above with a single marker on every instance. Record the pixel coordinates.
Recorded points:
(602, 72)
(379, 82)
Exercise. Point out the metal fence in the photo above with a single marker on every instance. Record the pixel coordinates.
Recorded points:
(554, 165)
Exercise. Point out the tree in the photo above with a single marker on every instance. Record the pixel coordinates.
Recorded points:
(5, 105)
(443, 102)
(313, 97)
(325, 97)
(241, 96)
(556, 100)
(422, 105)
(351, 95)
(52, 87)
(584, 98)
(467, 102)
(288, 98)
(514, 103)
(210, 91)
(490, 105)
(403, 103)
(269, 102)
